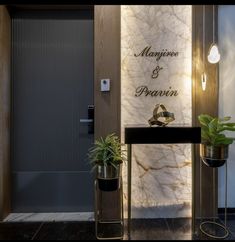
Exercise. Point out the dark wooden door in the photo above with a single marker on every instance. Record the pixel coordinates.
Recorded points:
(52, 73)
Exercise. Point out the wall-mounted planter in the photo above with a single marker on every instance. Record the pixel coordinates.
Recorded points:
(214, 156)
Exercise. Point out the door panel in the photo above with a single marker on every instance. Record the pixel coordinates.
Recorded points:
(52, 88)
(68, 195)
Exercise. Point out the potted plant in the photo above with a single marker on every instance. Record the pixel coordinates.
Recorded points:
(215, 144)
(107, 156)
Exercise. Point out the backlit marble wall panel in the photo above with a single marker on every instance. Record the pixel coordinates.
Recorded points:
(161, 180)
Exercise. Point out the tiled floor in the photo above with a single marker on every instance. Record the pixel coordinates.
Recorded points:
(142, 229)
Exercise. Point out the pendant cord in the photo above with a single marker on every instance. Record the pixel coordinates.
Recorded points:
(213, 25)
(203, 45)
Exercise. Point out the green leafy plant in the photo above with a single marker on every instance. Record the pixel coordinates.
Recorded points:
(212, 129)
(107, 151)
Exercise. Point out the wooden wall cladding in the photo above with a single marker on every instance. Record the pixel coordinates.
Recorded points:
(5, 97)
(107, 65)
(203, 102)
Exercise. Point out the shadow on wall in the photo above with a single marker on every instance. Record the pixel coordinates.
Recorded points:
(162, 211)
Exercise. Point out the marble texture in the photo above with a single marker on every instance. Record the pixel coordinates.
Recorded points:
(49, 217)
(161, 174)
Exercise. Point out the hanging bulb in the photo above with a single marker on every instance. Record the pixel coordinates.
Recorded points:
(203, 79)
(214, 55)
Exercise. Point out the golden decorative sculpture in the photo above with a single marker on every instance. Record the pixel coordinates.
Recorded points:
(168, 117)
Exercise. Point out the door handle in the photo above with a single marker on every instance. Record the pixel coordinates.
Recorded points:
(89, 120)
(86, 120)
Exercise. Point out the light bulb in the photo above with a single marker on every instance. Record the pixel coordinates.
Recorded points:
(203, 79)
(214, 55)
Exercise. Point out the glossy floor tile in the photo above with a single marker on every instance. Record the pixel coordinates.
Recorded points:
(18, 231)
(67, 231)
(141, 229)
(150, 229)
(230, 222)
(180, 228)
(213, 230)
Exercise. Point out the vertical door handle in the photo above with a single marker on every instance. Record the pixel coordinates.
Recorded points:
(90, 119)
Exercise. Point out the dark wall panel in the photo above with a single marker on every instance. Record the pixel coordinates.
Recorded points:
(5, 107)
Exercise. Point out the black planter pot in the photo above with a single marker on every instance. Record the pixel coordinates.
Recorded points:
(108, 177)
(214, 156)
(213, 163)
(108, 185)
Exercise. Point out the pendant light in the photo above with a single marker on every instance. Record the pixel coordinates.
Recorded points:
(203, 76)
(214, 55)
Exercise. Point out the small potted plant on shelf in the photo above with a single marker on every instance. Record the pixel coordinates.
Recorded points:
(106, 157)
(215, 144)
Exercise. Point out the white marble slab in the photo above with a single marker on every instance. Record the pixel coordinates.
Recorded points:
(49, 217)
(161, 174)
